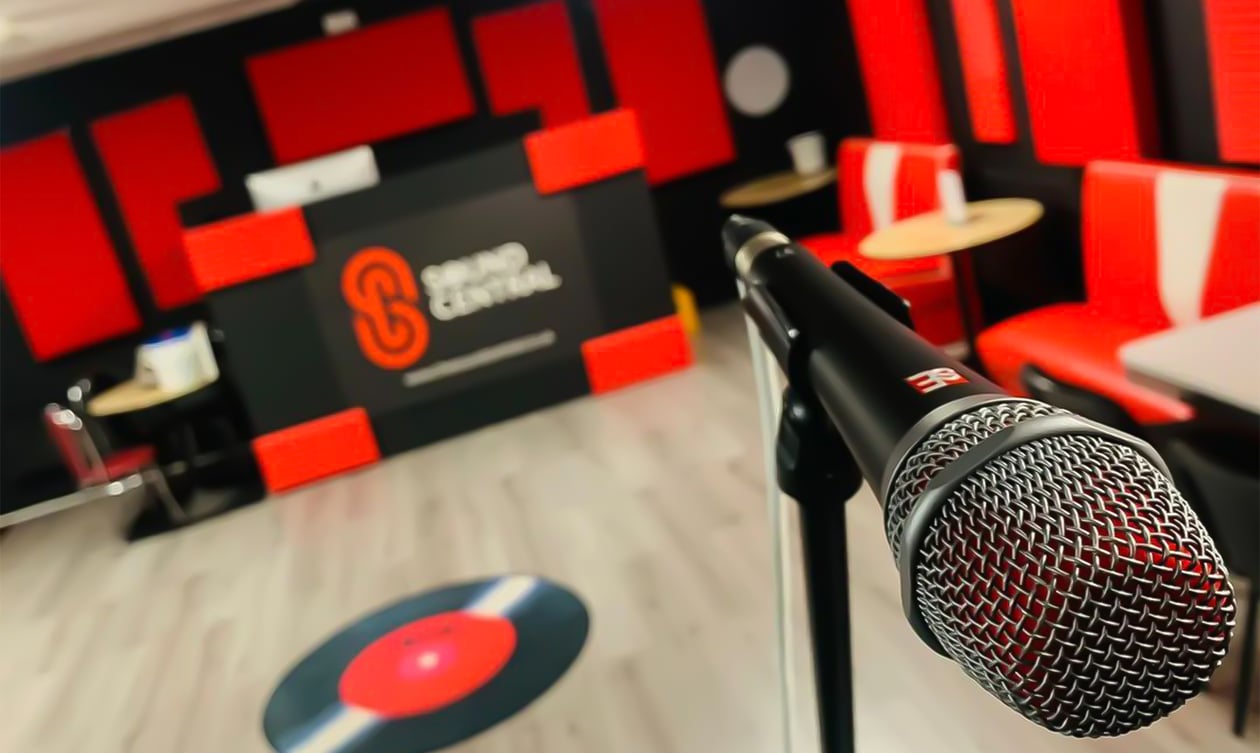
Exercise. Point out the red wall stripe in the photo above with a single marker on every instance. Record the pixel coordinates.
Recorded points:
(528, 61)
(58, 266)
(384, 80)
(316, 449)
(899, 70)
(1086, 79)
(984, 71)
(584, 152)
(156, 158)
(1233, 31)
(619, 359)
(248, 247)
(662, 65)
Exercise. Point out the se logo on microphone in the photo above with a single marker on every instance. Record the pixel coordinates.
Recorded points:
(934, 379)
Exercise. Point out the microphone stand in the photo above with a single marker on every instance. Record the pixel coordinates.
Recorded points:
(815, 467)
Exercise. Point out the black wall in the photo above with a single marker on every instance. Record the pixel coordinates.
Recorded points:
(1183, 104)
(826, 93)
(208, 67)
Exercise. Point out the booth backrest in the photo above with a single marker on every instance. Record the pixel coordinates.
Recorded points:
(1165, 245)
(884, 181)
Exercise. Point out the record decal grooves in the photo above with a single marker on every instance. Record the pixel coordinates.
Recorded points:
(429, 671)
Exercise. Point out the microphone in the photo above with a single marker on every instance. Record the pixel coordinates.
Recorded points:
(1049, 556)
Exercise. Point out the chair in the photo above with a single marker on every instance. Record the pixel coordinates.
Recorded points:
(880, 183)
(1226, 494)
(111, 473)
(79, 394)
(1163, 246)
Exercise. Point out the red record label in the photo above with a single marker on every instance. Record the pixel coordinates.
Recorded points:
(428, 664)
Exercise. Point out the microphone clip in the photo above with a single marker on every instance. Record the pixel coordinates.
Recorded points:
(786, 341)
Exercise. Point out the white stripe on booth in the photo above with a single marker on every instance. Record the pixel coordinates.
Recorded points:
(1187, 215)
(879, 180)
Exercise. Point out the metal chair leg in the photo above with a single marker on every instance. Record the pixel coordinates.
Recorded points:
(1242, 698)
(164, 495)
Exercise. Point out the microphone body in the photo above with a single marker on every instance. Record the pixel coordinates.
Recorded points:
(875, 378)
(1050, 556)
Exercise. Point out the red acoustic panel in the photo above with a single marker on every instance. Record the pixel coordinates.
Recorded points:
(899, 70)
(1233, 30)
(58, 265)
(636, 353)
(984, 71)
(247, 248)
(381, 81)
(662, 66)
(1086, 79)
(316, 449)
(584, 152)
(528, 61)
(156, 158)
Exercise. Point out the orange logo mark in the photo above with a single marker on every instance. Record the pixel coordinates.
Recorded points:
(380, 288)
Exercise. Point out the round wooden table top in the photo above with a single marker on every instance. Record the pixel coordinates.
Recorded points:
(771, 189)
(131, 395)
(932, 235)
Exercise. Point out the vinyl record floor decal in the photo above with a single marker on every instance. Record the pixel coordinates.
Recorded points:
(429, 671)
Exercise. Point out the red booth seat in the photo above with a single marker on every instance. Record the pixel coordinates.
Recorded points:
(1163, 246)
(882, 182)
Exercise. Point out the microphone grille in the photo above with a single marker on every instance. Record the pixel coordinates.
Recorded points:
(1070, 579)
(943, 446)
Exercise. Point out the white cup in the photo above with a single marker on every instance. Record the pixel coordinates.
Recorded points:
(172, 364)
(949, 191)
(809, 152)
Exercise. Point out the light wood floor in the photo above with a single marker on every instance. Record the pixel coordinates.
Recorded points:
(648, 502)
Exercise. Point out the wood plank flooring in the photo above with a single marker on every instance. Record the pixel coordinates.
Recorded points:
(649, 503)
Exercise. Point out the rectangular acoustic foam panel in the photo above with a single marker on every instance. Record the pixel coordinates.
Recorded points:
(1233, 30)
(984, 70)
(384, 80)
(155, 157)
(1086, 79)
(316, 449)
(529, 61)
(899, 70)
(248, 247)
(619, 359)
(662, 66)
(58, 265)
(600, 147)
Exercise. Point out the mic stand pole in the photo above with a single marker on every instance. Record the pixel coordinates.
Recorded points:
(815, 468)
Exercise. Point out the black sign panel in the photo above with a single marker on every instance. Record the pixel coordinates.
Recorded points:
(434, 302)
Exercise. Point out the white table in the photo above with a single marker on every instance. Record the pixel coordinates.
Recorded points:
(1217, 358)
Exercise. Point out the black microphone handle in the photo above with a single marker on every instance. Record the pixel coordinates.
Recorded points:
(874, 377)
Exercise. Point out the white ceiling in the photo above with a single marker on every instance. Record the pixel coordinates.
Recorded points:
(39, 35)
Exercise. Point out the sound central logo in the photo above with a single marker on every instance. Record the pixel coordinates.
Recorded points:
(389, 322)
(934, 379)
(483, 280)
(380, 288)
